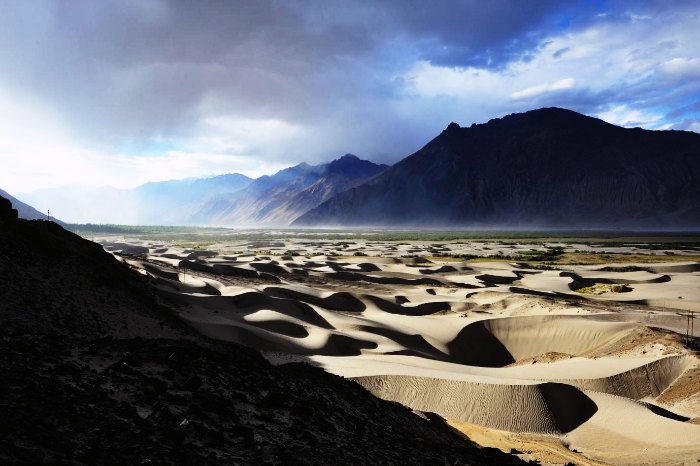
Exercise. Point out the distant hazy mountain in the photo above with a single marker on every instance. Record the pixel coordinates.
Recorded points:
(544, 168)
(25, 211)
(174, 201)
(284, 196)
(164, 202)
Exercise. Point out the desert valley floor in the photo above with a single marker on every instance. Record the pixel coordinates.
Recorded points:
(513, 343)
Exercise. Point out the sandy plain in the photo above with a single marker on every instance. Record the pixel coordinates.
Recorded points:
(560, 363)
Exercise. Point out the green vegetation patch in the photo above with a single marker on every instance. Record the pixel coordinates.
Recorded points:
(600, 288)
(683, 240)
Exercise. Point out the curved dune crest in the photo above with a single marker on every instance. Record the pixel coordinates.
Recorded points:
(191, 286)
(384, 280)
(341, 301)
(548, 408)
(421, 309)
(627, 432)
(686, 267)
(648, 380)
(440, 269)
(528, 336)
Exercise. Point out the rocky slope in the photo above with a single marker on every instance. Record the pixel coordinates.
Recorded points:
(95, 371)
(284, 196)
(544, 168)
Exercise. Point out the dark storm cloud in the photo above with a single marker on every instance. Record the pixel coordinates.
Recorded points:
(120, 72)
(134, 69)
(147, 67)
(476, 33)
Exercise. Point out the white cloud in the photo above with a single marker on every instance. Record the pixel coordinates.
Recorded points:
(37, 151)
(681, 68)
(694, 126)
(534, 91)
(248, 135)
(427, 80)
(618, 71)
(622, 115)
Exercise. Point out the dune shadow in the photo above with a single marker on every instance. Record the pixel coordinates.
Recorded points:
(343, 345)
(422, 309)
(160, 271)
(357, 277)
(124, 248)
(577, 282)
(251, 302)
(199, 254)
(186, 288)
(443, 269)
(475, 345)
(416, 345)
(342, 301)
(270, 339)
(676, 268)
(225, 269)
(494, 280)
(282, 327)
(269, 267)
(569, 406)
(368, 267)
(659, 411)
(545, 294)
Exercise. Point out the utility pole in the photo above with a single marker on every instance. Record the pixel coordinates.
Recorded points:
(48, 215)
(692, 329)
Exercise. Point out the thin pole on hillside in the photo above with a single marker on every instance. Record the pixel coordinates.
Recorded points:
(692, 329)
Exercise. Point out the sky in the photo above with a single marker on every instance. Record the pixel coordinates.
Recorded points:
(121, 92)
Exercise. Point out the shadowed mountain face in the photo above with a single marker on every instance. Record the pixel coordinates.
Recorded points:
(284, 196)
(544, 168)
(95, 371)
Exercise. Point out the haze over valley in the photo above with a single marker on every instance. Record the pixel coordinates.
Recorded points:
(547, 168)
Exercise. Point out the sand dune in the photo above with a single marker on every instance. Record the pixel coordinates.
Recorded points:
(541, 408)
(626, 432)
(342, 301)
(492, 344)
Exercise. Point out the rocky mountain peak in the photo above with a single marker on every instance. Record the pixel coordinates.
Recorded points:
(549, 167)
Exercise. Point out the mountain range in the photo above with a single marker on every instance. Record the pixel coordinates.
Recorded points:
(289, 193)
(544, 168)
(230, 199)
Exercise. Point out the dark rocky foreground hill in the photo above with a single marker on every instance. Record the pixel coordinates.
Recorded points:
(25, 211)
(544, 168)
(95, 371)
